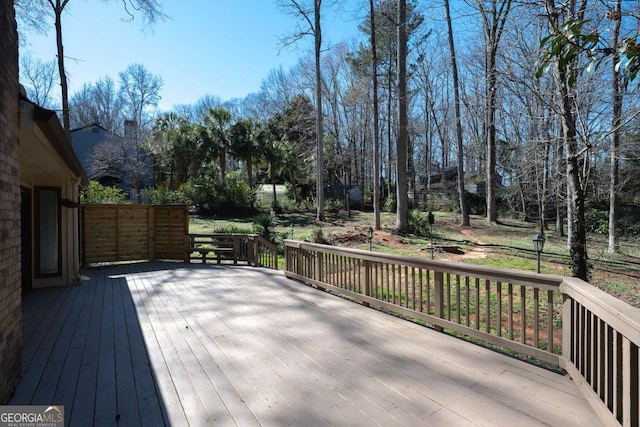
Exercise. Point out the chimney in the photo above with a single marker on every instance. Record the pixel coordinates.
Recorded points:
(130, 130)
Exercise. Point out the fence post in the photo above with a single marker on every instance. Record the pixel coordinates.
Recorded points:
(151, 240)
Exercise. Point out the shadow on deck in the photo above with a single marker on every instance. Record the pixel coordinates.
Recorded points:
(191, 344)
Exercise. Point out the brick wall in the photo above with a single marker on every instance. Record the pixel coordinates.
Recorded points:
(10, 286)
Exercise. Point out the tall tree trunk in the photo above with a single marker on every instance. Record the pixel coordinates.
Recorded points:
(319, 125)
(250, 169)
(576, 224)
(389, 139)
(462, 196)
(58, 7)
(402, 213)
(223, 164)
(614, 148)
(559, 232)
(493, 21)
(376, 123)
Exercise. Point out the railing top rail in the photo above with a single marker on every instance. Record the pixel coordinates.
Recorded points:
(623, 317)
(516, 277)
(264, 241)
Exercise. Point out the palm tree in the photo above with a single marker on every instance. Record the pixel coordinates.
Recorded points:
(217, 121)
(243, 144)
(269, 144)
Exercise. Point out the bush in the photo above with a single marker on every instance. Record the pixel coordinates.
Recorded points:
(265, 224)
(231, 196)
(163, 196)
(418, 223)
(597, 221)
(98, 193)
(390, 203)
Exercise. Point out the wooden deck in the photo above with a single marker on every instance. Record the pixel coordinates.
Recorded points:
(191, 344)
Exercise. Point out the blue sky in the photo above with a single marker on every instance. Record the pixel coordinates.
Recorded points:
(215, 47)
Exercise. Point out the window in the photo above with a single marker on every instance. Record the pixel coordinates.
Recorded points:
(48, 232)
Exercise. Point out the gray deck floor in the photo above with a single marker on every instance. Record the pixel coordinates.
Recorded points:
(190, 344)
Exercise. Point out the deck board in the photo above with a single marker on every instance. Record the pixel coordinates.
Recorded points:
(192, 344)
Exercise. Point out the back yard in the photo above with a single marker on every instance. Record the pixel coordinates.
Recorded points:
(507, 245)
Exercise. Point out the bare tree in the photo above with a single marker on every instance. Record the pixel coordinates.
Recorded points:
(494, 14)
(617, 89)
(31, 15)
(39, 78)
(100, 102)
(402, 213)
(456, 100)
(565, 73)
(140, 90)
(150, 10)
(311, 19)
(376, 117)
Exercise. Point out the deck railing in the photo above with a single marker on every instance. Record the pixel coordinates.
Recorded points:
(562, 321)
(250, 248)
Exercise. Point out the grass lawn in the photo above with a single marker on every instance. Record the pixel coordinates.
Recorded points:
(507, 245)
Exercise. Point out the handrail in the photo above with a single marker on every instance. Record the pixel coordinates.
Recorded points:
(558, 320)
(250, 248)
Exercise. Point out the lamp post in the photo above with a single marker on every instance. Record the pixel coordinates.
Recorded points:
(370, 238)
(291, 232)
(538, 246)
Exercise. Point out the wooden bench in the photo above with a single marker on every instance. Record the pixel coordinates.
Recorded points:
(220, 245)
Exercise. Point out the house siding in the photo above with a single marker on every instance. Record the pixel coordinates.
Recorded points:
(10, 284)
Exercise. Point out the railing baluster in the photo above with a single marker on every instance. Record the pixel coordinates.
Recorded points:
(467, 302)
(413, 288)
(448, 296)
(406, 286)
(458, 298)
(499, 310)
(550, 320)
(420, 289)
(523, 315)
(477, 303)
(510, 309)
(438, 294)
(487, 294)
(536, 318)
(428, 291)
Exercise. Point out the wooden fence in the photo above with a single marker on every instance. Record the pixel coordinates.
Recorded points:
(558, 320)
(114, 233)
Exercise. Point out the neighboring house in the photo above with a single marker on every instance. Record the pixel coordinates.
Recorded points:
(86, 141)
(113, 160)
(50, 181)
(355, 194)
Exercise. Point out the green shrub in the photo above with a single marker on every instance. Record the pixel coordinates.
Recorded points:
(418, 223)
(98, 193)
(597, 221)
(390, 203)
(163, 196)
(231, 196)
(264, 226)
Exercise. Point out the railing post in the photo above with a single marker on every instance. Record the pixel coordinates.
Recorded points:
(438, 295)
(287, 258)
